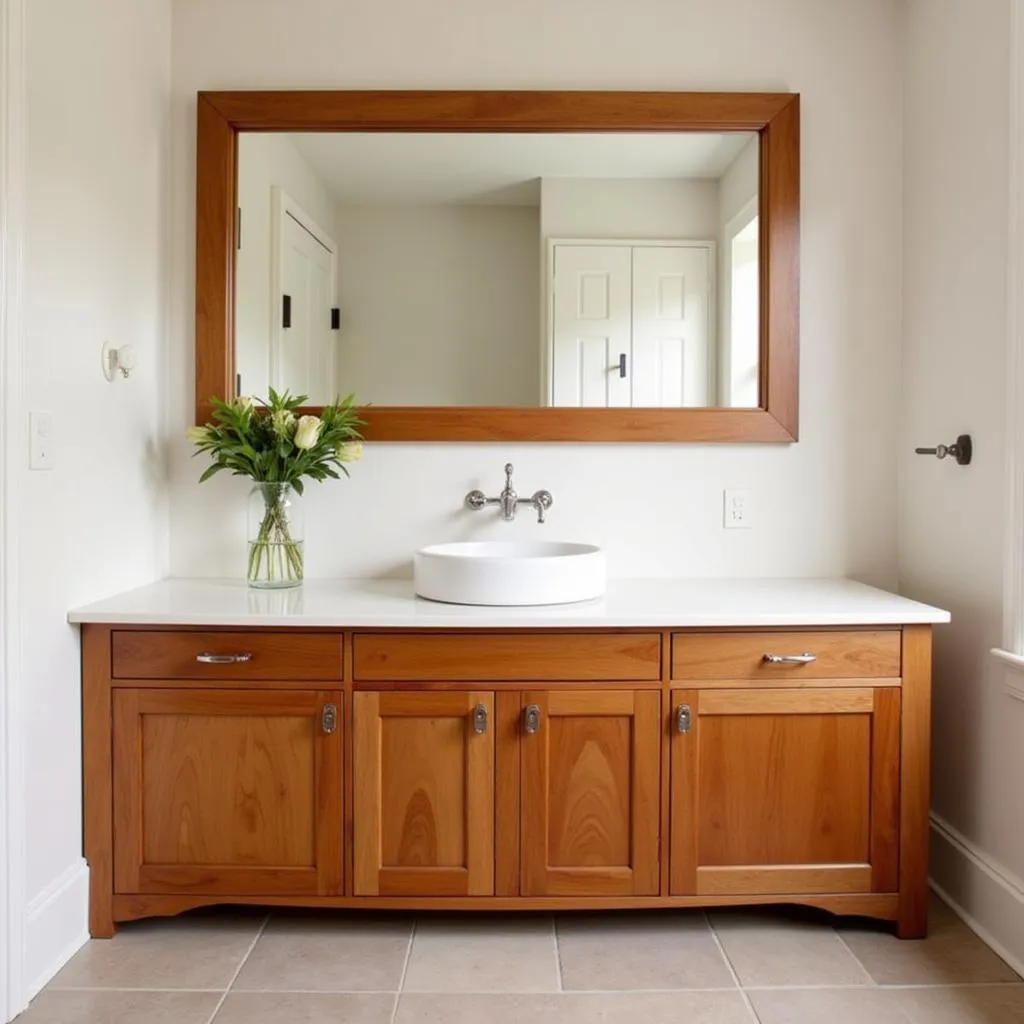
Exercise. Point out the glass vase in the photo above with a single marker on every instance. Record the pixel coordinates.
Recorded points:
(276, 537)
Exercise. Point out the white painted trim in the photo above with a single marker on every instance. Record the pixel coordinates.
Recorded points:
(737, 223)
(61, 909)
(13, 993)
(990, 900)
(1013, 582)
(283, 205)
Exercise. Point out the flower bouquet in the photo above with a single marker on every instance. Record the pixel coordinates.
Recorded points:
(267, 442)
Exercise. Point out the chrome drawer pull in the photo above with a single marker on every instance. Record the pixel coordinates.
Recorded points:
(223, 659)
(790, 659)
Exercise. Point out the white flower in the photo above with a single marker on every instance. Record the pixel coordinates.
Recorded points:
(350, 452)
(197, 435)
(307, 432)
(243, 403)
(284, 422)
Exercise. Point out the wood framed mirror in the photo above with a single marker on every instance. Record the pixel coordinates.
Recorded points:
(637, 123)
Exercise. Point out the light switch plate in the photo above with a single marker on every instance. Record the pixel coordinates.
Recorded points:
(738, 509)
(41, 440)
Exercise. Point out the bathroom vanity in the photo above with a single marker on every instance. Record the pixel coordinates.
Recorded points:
(674, 744)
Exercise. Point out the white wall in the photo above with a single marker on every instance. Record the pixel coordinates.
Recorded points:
(266, 160)
(951, 519)
(824, 506)
(94, 270)
(629, 208)
(440, 304)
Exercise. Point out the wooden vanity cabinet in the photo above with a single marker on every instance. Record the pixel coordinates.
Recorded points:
(513, 769)
(424, 793)
(227, 791)
(591, 778)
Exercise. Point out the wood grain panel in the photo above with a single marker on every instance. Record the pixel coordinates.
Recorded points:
(591, 779)
(97, 777)
(793, 789)
(784, 879)
(510, 656)
(787, 702)
(424, 810)
(219, 791)
(882, 906)
(840, 654)
(684, 795)
(161, 654)
(915, 732)
(775, 116)
(885, 792)
(506, 794)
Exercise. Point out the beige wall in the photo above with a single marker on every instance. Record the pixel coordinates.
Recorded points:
(951, 519)
(439, 304)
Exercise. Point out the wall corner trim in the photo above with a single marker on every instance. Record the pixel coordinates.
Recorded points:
(983, 894)
(55, 927)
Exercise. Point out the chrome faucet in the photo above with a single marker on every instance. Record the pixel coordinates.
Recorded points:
(510, 501)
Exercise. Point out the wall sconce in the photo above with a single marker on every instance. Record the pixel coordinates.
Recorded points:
(124, 359)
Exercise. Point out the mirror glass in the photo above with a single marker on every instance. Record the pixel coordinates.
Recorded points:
(485, 269)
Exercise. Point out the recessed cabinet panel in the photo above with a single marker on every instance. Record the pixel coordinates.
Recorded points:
(424, 794)
(590, 784)
(222, 792)
(785, 791)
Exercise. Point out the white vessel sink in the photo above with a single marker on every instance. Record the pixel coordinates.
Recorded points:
(509, 572)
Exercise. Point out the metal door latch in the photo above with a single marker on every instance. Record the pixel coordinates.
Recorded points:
(962, 450)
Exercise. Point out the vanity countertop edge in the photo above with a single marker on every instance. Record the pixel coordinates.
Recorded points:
(392, 603)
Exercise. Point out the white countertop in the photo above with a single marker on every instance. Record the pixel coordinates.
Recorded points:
(628, 603)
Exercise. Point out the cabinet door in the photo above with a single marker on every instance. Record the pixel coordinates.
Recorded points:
(228, 792)
(424, 794)
(785, 791)
(590, 784)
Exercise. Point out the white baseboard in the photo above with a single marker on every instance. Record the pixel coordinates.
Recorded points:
(57, 926)
(988, 898)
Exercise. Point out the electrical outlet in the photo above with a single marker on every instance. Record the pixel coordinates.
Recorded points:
(41, 441)
(737, 509)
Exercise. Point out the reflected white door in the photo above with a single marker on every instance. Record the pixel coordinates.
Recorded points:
(631, 325)
(303, 361)
(591, 325)
(671, 311)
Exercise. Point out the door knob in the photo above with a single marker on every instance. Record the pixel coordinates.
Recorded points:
(962, 450)
(531, 719)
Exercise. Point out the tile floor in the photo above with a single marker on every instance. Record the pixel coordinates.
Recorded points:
(726, 967)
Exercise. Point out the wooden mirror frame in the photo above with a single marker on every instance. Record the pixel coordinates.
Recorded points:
(775, 116)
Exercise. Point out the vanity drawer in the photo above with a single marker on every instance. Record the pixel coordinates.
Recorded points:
(142, 654)
(381, 657)
(852, 654)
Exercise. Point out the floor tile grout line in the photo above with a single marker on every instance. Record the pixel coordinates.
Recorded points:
(732, 970)
(234, 977)
(558, 954)
(860, 963)
(405, 970)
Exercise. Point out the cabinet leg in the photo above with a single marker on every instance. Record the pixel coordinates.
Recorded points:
(912, 922)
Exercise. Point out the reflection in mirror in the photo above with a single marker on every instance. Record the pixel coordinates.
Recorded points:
(447, 269)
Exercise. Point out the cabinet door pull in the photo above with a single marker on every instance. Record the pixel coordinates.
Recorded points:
(531, 719)
(480, 718)
(223, 659)
(684, 718)
(790, 659)
(329, 718)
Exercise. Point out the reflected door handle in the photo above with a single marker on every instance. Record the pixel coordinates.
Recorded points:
(622, 364)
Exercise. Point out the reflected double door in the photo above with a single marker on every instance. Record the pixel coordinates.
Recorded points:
(631, 325)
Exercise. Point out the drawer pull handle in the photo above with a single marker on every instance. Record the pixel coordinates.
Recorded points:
(329, 718)
(684, 718)
(480, 718)
(223, 659)
(790, 659)
(531, 719)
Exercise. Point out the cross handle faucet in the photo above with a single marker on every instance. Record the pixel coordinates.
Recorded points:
(509, 501)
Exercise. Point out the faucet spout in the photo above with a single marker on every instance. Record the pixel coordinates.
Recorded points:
(509, 500)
